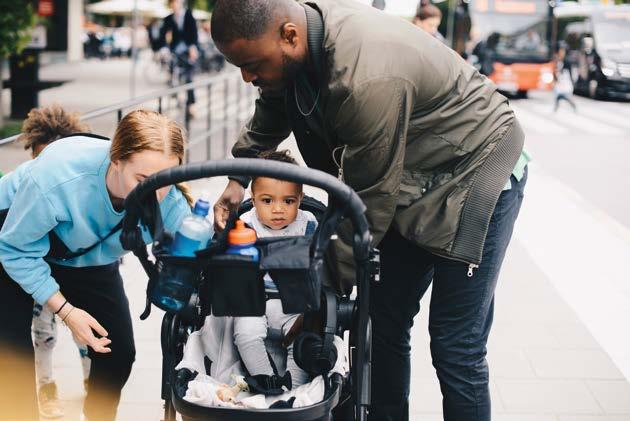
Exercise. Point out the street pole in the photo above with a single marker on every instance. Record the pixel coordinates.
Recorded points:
(134, 53)
(450, 24)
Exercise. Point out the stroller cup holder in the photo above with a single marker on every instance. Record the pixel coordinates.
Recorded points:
(288, 262)
(234, 287)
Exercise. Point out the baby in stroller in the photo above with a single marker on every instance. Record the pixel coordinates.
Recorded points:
(275, 213)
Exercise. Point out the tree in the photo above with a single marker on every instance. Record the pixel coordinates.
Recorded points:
(16, 20)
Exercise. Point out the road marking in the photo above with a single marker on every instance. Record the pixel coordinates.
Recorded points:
(586, 256)
(531, 121)
(616, 117)
(579, 120)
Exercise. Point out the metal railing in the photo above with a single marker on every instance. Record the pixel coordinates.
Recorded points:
(223, 103)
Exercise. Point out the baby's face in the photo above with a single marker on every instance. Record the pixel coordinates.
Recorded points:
(276, 201)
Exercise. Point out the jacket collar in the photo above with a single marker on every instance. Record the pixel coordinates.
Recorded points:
(315, 35)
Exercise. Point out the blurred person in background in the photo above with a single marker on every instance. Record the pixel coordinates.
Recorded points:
(563, 89)
(179, 32)
(153, 32)
(212, 59)
(428, 17)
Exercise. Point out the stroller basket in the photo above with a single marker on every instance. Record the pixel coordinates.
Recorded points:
(319, 411)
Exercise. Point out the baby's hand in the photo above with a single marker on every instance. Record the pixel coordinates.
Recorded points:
(226, 394)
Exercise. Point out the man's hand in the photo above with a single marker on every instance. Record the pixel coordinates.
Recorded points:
(229, 201)
(193, 53)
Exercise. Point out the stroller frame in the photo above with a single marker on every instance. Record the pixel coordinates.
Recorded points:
(141, 206)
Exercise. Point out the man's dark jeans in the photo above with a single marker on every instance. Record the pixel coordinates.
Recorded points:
(460, 318)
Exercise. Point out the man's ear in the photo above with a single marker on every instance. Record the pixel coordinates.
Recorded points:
(289, 33)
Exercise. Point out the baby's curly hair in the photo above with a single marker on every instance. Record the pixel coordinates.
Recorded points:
(47, 124)
(280, 156)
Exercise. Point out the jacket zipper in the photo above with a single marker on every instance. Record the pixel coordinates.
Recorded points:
(340, 163)
(471, 266)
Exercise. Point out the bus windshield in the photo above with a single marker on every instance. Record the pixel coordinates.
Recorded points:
(516, 31)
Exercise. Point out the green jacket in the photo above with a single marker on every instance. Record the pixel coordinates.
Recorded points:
(425, 140)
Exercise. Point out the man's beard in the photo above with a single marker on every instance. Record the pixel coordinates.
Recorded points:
(290, 69)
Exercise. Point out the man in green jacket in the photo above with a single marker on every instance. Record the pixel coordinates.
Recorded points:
(429, 145)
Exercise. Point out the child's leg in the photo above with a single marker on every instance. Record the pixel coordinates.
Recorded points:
(278, 320)
(44, 340)
(249, 338)
(85, 359)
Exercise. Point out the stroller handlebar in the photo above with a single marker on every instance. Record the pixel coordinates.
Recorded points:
(342, 194)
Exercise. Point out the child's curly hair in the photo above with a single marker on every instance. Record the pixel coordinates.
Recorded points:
(280, 156)
(47, 124)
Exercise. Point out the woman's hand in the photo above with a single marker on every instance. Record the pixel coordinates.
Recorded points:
(83, 327)
(229, 201)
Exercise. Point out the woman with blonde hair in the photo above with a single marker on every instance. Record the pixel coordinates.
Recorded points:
(59, 247)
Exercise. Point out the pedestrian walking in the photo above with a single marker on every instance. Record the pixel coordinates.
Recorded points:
(563, 89)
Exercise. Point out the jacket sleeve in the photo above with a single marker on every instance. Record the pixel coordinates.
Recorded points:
(192, 35)
(164, 28)
(24, 241)
(265, 130)
(372, 125)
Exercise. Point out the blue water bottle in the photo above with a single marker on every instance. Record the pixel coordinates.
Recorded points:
(177, 282)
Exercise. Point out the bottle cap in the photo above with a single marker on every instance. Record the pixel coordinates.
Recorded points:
(201, 207)
(241, 235)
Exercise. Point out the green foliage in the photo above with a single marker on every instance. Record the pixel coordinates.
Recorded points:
(16, 18)
(203, 4)
(10, 129)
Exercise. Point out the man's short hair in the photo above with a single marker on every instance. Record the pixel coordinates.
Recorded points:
(236, 19)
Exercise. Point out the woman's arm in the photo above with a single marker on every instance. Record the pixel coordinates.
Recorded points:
(80, 323)
(23, 245)
(24, 240)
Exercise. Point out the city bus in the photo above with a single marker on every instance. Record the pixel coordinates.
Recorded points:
(513, 43)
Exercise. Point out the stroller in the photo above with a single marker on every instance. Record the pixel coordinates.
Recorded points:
(235, 288)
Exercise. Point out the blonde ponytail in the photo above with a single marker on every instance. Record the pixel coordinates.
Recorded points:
(184, 188)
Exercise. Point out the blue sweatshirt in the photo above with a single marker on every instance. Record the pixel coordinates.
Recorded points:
(64, 191)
